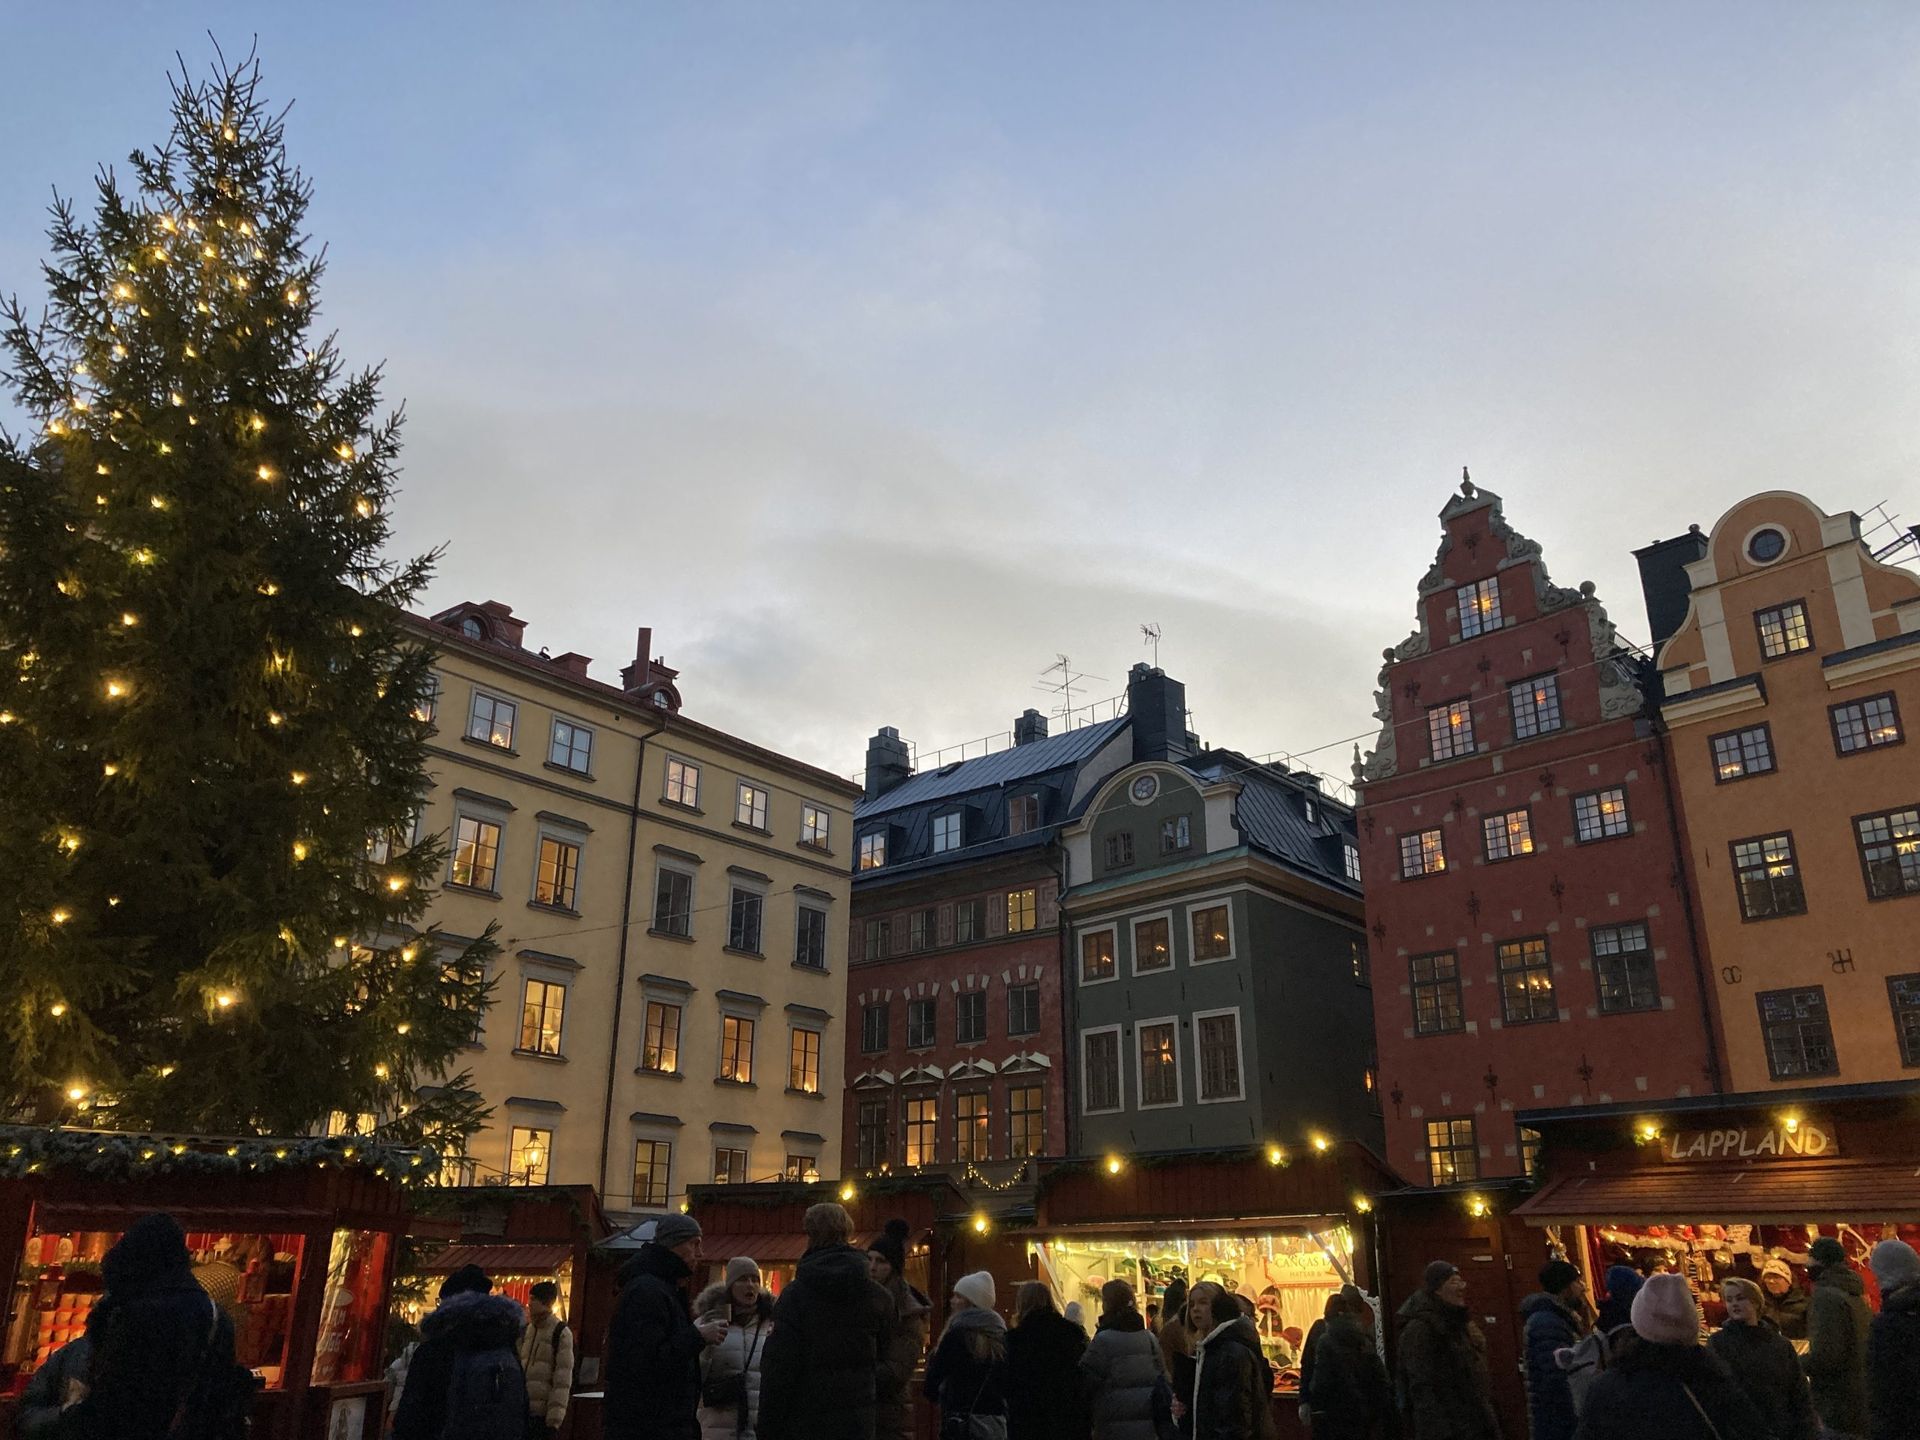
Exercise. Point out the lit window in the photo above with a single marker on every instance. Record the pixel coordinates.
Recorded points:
(923, 1130)
(476, 852)
(1176, 834)
(1023, 814)
(803, 1061)
(970, 1016)
(729, 1165)
(1023, 1010)
(743, 920)
(1600, 815)
(1218, 1037)
(1508, 836)
(1028, 1122)
(1096, 955)
(673, 903)
(946, 832)
(1350, 858)
(972, 1126)
(652, 1173)
(1890, 852)
(1450, 729)
(1536, 706)
(572, 747)
(1623, 969)
(1370, 1077)
(1100, 1066)
(1436, 994)
(810, 938)
(736, 1049)
(1362, 962)
(1022, 911)
(1865, 724)
(1526, 982)
(1212, 933)
(683, 783)
(873, 850)
(1530, 1146)
(1424, 853)
(814, 824)
(558, 875)
(1479, 607)
(1767, 878)
(1739, 754)
(923, 1018)
(1152, 944)
(750, 807)
(491, 720)
(1798, 1033)
(1159, 1065)
(529, 1155)
(1783, 630)
(1453, 1154)
(802, 1167)
(542, 1006)
(427, 704)
(660, 1049)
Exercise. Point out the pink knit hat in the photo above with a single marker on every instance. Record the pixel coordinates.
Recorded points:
(1665, 1313)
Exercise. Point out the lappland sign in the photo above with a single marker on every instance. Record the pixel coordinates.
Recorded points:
(1804, 1141)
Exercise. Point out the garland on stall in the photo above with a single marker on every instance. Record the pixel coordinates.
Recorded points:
(1156, 1160)
(118, 1155)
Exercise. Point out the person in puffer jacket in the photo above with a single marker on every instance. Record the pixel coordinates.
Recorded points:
(1893, 1344)
(1352, 1398)
(1550, 1321)
(1837, 1323)
(1763, 1362)
(546, 1357)
(1122, 1368)
(733, 1366)
(468, 1318)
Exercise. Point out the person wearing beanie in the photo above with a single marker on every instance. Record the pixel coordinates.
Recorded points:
(730, 1371)
(967, 1376)
(471, 1330)
(1553, 1318)
(652, 1364)
(1837, 1324)
(1446, 1392)
(1893, 1344)
(1044, 1348)
(825, 1371)
(1664, 1384)
(1348, 1391)
(1763, 1362)
(1622, 1283)
(546, 1356)
(1123, 1370)
(907, 1333)
(1786, 1301)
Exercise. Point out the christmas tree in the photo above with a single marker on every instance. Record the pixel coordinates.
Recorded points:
(212, 728)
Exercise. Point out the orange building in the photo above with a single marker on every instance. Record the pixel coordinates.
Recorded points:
(1789, 686)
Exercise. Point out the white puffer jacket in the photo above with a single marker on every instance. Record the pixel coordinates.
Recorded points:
(740, 1353)
(548, 1361)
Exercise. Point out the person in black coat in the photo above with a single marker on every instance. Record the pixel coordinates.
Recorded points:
(653, 1346)
(826, 1362)
(1893, 1344)
(1763, 1362)
(967, 1376)
(155, 1334)
(1445, 1390)
(469, 1317)
(1665, 1385)
(1231, 1397)
(1350, 1395)
(1045, 1398)
(1551, 1320)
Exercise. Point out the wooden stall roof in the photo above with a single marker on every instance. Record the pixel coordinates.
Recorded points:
(1775, 1195)
(781, 1246)
(1212, 1189)
(499, 1259)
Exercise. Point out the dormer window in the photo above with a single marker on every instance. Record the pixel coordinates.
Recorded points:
(473, 628)
(1313, 813)
(873, 850)
(1023, 814)
(946, 832)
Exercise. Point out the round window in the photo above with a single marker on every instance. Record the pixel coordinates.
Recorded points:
(1766, 546)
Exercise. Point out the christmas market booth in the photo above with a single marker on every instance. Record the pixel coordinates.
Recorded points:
(294, 1239)
(1731, 1185)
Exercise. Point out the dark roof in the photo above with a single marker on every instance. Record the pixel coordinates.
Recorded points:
(1872, 647)
(1272, 812)
(994, 771)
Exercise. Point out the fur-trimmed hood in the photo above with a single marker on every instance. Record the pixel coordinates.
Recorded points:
(714, 1300)
(476, 1322)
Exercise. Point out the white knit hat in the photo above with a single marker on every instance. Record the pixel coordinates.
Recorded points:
(1664, 1312)
(975, 1289)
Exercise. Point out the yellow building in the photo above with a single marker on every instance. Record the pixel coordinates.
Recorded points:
(1789, 685)
(671, 904)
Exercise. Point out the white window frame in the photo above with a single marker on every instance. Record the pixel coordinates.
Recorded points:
(1460, 738)
(513, 719)
(816, 825)
(752, 805)
(872, 851)
(1145, 1022)
(1112, 930)
(1134, 922)
(479, 817)
(1239, 1056)
(950, 825)
(1463, 595)
(536, 975)
(1207, 902)
(1350, 860)
(1119, 1070)
(553, 742)
(530, 1129)
(687, 767)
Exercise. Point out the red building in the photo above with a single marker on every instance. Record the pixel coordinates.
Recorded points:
(1531, 931)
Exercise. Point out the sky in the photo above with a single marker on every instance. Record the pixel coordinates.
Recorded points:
(875, 355)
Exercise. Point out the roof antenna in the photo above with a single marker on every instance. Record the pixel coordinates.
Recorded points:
(1064, 686)
(1150, 635)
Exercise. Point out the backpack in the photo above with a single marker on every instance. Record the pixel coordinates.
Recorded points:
(486, 1397)
(219, 1403)
(1583, 1363)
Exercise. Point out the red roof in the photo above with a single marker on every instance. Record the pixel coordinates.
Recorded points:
(1773, 1194)
(500, 1259)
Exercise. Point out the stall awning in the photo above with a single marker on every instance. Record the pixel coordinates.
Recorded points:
(500, 1259)
(1774, 1194)
(782, 1247)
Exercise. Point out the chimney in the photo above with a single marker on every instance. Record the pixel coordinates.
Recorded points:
(1031, 726)
(1664, 584)
(572, 663)
(887, 762)
(1158, 706)
(634, 676)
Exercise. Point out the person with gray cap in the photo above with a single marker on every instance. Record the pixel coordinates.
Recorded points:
(1445, 1390)
(1893, 1344)
(653, 1344)
(1837, 1324)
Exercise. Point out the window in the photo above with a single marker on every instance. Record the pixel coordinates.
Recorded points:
(923, 1127)
(1159, 1064)
(1536, 706)
(729, 1165)
(1453, 1155)
(1027, 1122)
(870, 1134)
(558, 875)
(1890, 852)
(1313, 812)
(1526, 982)
(1600, 815)
(1370, 1077)
(803, 1061)
(476, 852)
(1798, 1035)
(572, 747)
(814, 826)
(1865, 724)
(1508, 836)
(1767, 545)
(1424, 853)
(1436, 994)
(750, 806)
(970, 1016)
(922, 1023)
(878, 938)
(1450, 729)
(427, 704)
(1362, 961)
(652, 1173)
(1218, 1037)
(683, 783)
(491, 720)
(1176, 834)
(973, 1133)
(810, 938)
(1022, 911)
(801, 1167)
(969, 921)
(744, 912)
(1119, 849)
(1212, 933)
(1023, 814)
(946, 832)
(1152, 944)
(873, 850)
(542, 1004)
(922, 927)
(1783, 630)
(1479, 607)
(1623, 968)
(1023, 1010)
(1767, 878)
(1741, 753)
(529, 1155)
(1904, 992)
(1350, 858)
(1100, 1064)
(1096, 956)
(875, 1027)
(736, 1049)
(673, 902)
(1530, 1145)
(660, 1047)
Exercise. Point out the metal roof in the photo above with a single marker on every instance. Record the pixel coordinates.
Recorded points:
(1002, 768)
(1272, 812)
